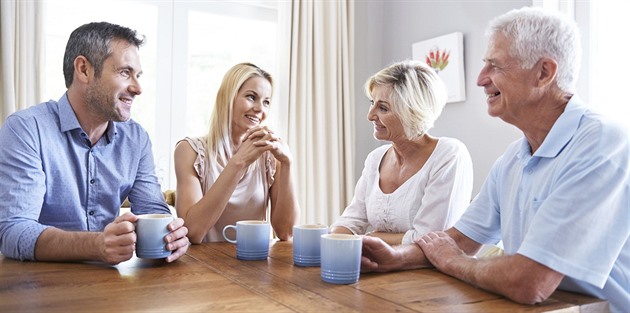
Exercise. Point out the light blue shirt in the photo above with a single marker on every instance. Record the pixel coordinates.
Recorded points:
(567, 206)
(51, 175)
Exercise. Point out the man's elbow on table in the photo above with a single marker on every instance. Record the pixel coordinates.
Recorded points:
(534, 286)
(529, 294)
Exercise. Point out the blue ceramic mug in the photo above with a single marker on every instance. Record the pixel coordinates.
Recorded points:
(306, 244)
(341, 258)
(252, 239)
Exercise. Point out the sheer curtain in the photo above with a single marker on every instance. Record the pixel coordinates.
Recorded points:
(316, 104)
(21, 66)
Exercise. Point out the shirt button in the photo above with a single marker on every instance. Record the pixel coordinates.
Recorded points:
(91, 181)
(91, 213)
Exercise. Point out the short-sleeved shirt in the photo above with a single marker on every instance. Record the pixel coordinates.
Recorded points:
(250, 198)
(51, 175)
(432, 199)
(567, 206)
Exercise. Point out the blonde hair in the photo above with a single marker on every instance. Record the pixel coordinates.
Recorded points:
(418, 96)
(219, 137)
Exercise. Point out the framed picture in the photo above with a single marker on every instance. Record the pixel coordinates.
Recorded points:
(445, 54)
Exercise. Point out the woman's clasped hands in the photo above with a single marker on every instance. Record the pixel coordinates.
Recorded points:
(259, 139)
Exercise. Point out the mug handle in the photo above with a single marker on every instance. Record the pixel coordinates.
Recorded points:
(226, 237)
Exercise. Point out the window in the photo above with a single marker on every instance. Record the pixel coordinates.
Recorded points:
(609, 65)
(208, 60)
(604, 66)
(78, 13)
(189, 47)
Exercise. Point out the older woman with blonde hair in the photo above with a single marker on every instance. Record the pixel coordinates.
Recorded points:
(240, 168)
(418, 183)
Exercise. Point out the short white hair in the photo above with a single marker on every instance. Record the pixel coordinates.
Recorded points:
(536, 33)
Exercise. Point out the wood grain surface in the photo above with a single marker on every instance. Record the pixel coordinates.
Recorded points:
(210, 278)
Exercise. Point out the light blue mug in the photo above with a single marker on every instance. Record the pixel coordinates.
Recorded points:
(150, 231)
(341, 258)
(306, 244)
(252, 239)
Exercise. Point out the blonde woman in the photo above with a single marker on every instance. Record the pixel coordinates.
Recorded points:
(417, 183)
(240, 168)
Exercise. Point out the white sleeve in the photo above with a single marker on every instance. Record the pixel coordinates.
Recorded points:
(447, 192)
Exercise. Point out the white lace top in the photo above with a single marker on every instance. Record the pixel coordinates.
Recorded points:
(432, 199)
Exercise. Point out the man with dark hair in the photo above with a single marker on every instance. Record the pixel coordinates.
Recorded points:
(67, 166)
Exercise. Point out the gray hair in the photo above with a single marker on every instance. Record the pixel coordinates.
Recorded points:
(418, 96)
(92, 41)
(535, 34)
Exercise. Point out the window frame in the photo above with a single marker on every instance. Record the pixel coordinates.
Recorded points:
(171, 93)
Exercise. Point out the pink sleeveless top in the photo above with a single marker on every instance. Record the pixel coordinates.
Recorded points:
(250, 199)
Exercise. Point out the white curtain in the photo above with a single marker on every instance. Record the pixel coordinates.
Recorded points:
(317, 104)
(21, 66)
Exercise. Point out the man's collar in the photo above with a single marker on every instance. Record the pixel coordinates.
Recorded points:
(563, 129)
(68, 119)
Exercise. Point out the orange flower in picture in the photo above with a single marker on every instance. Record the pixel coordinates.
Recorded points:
(445, 55)
(438, 60)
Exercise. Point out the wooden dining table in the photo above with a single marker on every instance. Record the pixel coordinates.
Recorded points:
(210, 278)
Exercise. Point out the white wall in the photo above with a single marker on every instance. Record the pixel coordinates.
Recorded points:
(385, 31)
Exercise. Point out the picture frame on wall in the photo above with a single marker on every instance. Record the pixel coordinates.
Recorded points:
(445, 54)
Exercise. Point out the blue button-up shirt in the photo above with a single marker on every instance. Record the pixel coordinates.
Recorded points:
(51, 175)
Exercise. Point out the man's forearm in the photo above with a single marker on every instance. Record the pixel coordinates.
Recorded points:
(516, 277)
(57, 245)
